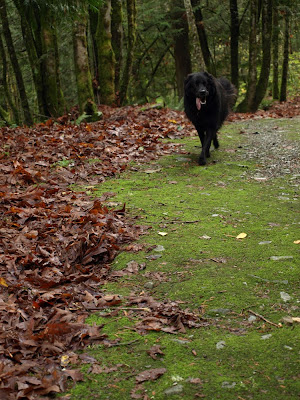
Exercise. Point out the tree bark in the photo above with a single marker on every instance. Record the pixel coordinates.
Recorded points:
(285, 63)
(263, 81)
(252, 73)
(8, 98)
(234, 42)
(28, 120)
(32, 55)
(183, 63)
(82, 68)
(275, 51)
(52, 93)
(131, 39)
(202, 36)
(117, 38)
(106, 58)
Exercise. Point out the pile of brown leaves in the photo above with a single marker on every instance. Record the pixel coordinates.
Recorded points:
(57, 244)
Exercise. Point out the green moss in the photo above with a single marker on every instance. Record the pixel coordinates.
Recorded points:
(203, 264)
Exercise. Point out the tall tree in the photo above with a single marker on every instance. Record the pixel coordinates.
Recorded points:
(106, 58)
(262, 83)
(52, 92)
(183, 63)
(117, 38)
(285, 62)
(131, 39)
(275, 50)
(81, 62)
(252, 60)
(8, 99)
(208, 60)
(15, 64)
(234, 42)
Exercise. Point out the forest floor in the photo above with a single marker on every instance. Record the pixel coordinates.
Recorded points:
(203, 301)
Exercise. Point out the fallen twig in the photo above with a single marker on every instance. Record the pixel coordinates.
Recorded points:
(264, 319)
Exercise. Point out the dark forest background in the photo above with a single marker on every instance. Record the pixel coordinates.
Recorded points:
(60, 56)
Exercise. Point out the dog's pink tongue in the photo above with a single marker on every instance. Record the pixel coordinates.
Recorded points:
(198, 103)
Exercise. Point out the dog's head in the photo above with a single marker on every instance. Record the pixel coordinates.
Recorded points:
(199, 86)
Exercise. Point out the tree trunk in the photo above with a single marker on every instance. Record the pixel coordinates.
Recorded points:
(131, 39)
(52, 93)
(8, 98)
(106, 58)
(202, 36)
(183, 63)
(285, 63)
(32, 56)
(15, 64)
(82, 68)
(252, 73)
(263, 81)
(117, 38)
(234, 42)
(275, 51)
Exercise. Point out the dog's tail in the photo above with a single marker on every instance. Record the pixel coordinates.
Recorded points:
(231, 91)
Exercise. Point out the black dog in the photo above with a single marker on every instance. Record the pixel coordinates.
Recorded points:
(207, 102)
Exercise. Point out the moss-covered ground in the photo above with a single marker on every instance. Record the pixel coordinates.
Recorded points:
(202, 210)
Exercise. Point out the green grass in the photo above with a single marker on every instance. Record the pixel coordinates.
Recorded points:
(222, 276)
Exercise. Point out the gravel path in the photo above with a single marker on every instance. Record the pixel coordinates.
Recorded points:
(277, 155)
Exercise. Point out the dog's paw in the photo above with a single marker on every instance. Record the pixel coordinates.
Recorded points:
(202, 161)
(216, 143)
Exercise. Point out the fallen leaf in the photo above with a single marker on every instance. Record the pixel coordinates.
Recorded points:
(3, 282)
(242, 235)
(150, 375)
(162, 233)
(297, 241)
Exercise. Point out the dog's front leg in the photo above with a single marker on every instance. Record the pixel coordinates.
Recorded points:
(206, 143)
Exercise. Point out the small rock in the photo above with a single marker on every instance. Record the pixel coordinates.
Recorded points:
(159, 248)
(266, 242)
(265, 337)
(228, 385)
(279, 258)
(149, 285)
(180, 341)
(252, 318)
(285, 296)
(174, 390)
(220, 345)
(154, 256)
(287, 320)
(205, 237)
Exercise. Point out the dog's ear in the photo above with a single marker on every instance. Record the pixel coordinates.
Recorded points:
(211, 83)
(188, 79)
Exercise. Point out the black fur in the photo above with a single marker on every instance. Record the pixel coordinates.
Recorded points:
(207, 102)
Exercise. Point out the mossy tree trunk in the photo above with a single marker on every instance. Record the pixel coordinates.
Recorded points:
(117, 38)
(52, 93)
(263, 81)
(27, 21)
(183, 63)
(81, 62)
(234, 42)
(106, 58)
(28, 120)
(275, 50)
(285, 62)
(253, 47)
(131, 39)
(7, 95)
(196, 5)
